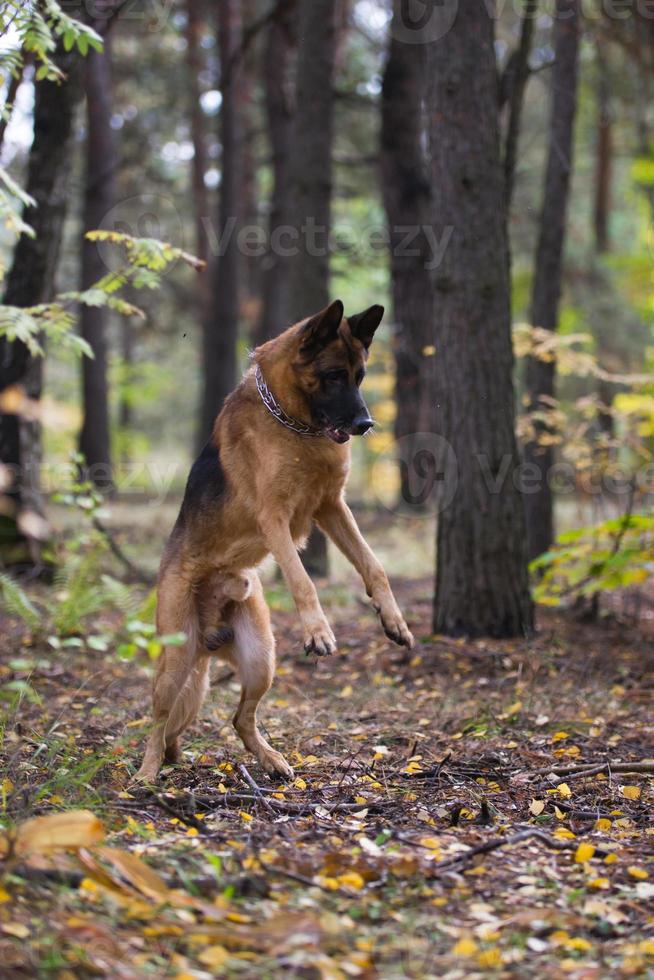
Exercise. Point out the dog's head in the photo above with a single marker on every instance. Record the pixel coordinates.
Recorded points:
(330, 366)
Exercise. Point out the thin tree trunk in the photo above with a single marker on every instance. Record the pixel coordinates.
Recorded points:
(311, 182)
(602, 212)
(221, 323)
(125, 410)
(30, 281)
(517, 78)
(10, 98)
(95, 436)
(546, 294)
(406, 194)
(196, 65)
(604, 157)
(280, 101)
(481, 575)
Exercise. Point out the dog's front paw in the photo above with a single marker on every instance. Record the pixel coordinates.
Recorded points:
(320, 640)
(275, 764)
(395, 627)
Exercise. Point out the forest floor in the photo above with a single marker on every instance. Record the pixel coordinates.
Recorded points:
(466, 809)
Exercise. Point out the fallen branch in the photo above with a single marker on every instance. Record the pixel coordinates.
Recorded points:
(593, 770)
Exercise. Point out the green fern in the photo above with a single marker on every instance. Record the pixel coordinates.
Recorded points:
(17, 603)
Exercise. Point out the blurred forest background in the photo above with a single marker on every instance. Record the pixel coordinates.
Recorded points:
(214, 126)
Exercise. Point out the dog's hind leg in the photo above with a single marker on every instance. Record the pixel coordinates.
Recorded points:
(253, 656)
(180, 682)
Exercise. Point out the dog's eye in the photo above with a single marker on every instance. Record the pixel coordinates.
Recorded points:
(335, 377)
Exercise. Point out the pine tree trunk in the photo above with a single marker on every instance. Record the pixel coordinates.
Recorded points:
(547, 285)
(405, 185)
(311, 182)
(221, 323)
(95, 437)
(280, 101)
(481, 575)
(30, 281)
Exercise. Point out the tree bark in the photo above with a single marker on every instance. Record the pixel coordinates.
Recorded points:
(221, 323)
(546, 293)
(95, 435)
(481, 573)
(280, 102)
(603, 158)
(31, 281)
(195, 63)
(516, 78)
(406, 193)
(311, 182)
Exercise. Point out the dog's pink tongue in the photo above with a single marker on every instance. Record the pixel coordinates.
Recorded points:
(337, 435)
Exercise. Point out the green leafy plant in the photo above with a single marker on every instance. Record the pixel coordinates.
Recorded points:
(591, 560)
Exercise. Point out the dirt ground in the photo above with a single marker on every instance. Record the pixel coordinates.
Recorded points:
(468, 809)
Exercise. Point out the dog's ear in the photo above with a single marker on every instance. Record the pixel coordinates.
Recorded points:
(321, 329)
(363, 325)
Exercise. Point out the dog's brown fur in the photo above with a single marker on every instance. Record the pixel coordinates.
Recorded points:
(256, 490)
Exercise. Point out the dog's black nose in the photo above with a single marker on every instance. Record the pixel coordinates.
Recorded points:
(361, 425)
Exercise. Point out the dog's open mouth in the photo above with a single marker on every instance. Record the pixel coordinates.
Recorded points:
(337, 435)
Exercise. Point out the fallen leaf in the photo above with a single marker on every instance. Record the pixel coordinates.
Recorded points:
(59, 832)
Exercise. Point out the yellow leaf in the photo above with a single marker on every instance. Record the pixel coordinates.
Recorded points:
(599, 883)
(637, 872)
(564, 790)
(16, 929)
(490, 958)
(559, 736)
(579, 943)
(346, 692)
(562, 833)
(465, 947)
(584, 853)
(300, 783)
(560, 815)
(536, 807)
(433, 843)
(192, 832)
(59, 832)
(6, 786)
(135, 871)
(603, 824)
(245, 816)
(214, 956)
(4, 896)
(351, 879)
(630, 792)
(610, 859)
(361, 800)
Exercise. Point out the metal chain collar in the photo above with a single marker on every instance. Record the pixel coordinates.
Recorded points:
(278, 412)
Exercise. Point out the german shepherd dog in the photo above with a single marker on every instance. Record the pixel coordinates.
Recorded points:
(278, 460)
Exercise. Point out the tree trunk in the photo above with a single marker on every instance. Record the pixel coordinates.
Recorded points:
(196, 64)
(405, 186)
(604, 157)
(546, 294)
(95, 437)
(280, 99)
(481, 575)
(602, 213)
(10, 98)
(221, 323)
(311, 183)
(30, 281)
(516, 77)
